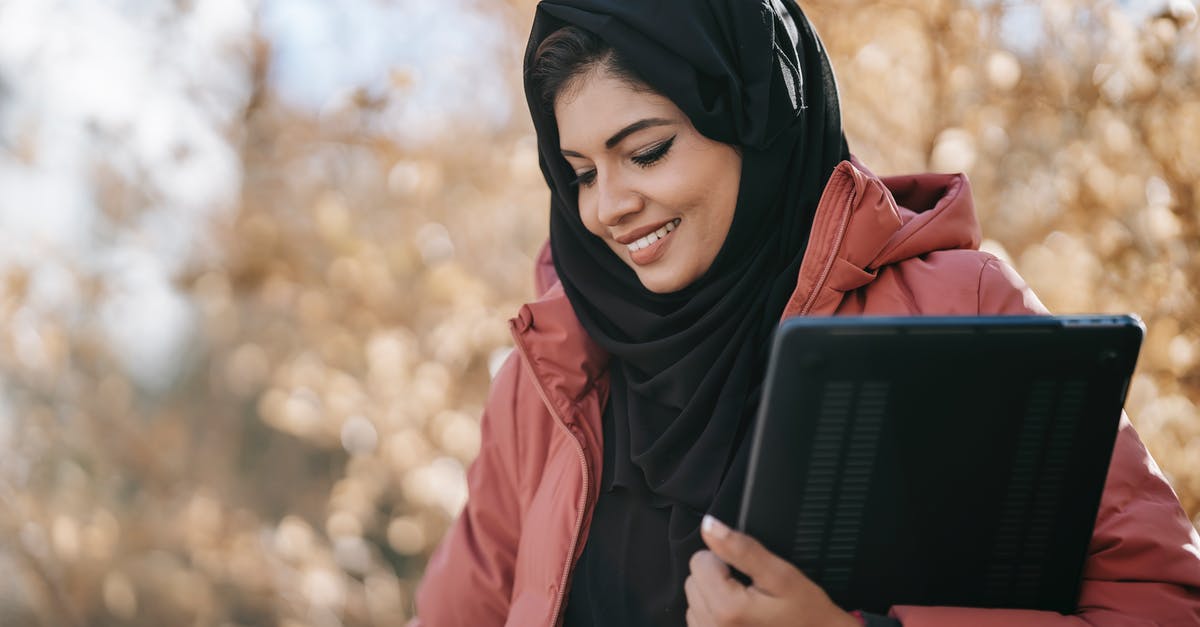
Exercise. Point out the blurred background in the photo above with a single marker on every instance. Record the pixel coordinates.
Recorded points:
(257, 258)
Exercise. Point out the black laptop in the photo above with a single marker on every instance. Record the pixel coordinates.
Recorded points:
(939, 460)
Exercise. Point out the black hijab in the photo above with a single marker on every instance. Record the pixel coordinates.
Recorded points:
(687, 366)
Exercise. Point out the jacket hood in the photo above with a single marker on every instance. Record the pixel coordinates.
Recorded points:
(936, 211)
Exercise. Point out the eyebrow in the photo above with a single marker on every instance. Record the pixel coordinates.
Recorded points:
(625, 132)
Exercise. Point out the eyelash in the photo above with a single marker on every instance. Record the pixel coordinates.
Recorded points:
(644, 160)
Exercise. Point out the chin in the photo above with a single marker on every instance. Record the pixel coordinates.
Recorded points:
(663, 283)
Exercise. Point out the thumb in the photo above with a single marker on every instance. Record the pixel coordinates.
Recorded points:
(771, 573)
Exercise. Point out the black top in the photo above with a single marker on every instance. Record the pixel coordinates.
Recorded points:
(626, 574)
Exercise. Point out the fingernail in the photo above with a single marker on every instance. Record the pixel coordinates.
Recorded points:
(714, 527)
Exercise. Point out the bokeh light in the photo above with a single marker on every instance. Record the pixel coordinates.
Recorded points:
(257, 258)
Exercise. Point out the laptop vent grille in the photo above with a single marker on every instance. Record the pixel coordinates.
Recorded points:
(835, 488)
(1034, 492)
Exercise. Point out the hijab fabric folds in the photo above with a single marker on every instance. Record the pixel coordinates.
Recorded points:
(687, 366)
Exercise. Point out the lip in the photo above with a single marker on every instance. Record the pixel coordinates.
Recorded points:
(639, 233)
(653, 252)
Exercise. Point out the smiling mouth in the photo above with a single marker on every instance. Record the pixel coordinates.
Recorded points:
(647, 241)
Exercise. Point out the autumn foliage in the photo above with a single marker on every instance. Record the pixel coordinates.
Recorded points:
(313, 451)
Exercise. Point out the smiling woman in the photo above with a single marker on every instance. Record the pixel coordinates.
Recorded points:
(701, 190)
(643, 171)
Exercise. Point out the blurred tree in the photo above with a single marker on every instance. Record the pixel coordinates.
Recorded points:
(308, 449)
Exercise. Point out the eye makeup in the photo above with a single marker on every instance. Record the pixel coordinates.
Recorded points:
(655, 153)
(644, 159)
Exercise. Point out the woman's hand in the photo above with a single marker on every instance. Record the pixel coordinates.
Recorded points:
(780, 594)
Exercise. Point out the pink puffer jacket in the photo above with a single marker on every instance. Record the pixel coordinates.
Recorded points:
(900, 246)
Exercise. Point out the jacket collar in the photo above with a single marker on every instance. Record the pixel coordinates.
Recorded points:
(862, 224)
(561, 356)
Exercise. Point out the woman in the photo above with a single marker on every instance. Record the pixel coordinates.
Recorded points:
(701, 190)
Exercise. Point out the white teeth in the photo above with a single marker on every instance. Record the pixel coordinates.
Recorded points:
(653, 237)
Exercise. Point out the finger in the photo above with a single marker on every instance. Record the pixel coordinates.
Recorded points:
(698, 612)
(712, 576)
(696, 619)
(771, 573)
(724, 598)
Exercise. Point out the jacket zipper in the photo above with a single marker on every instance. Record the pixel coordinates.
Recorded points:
(582, 505)
(837, 245)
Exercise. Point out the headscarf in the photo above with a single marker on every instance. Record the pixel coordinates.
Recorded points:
(687, 366)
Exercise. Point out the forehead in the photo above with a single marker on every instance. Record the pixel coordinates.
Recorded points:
(597, 105)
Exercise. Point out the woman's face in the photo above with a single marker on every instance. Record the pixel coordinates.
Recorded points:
(659, 193)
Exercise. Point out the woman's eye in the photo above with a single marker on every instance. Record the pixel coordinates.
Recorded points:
(654, 154)
(585, 179)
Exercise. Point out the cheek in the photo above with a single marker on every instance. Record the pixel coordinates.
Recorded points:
(721, 196)
(709, 202)
(712, 205)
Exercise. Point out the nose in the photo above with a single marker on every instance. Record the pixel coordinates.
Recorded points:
(616, 199)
